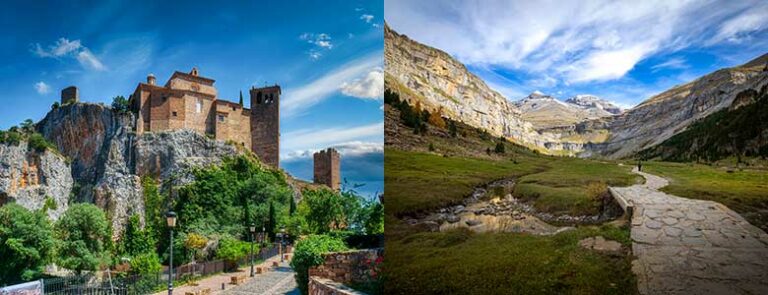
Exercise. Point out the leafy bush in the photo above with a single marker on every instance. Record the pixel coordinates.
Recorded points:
(231, 249)
(146, 264)
(374, 224)
(26, 244)
(39, 143)
(308, 253)
(10, 137)
(84, 237)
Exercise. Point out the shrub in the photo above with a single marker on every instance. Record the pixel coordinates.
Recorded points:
(431, 147)
(145, 264)
(436, 119)
(39, 143)
(26, 244)
(232, 250)
(308, 253)
(596, 191)
(55, 105)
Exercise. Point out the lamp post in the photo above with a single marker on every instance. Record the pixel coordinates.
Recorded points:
(253, 231)
(171, 219)
(282, 243)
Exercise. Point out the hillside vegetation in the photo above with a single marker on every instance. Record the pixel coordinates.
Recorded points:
(740, 131)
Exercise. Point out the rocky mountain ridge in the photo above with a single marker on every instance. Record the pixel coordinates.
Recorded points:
(435, 80)
(546, 111)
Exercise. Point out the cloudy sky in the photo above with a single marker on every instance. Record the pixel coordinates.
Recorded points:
(624, 51)
(326, 55)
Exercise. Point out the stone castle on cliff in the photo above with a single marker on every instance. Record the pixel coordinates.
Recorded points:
(190, 101)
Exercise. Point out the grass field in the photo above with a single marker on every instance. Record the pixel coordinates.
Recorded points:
(420, 181)
(744, 191)
(460, 262)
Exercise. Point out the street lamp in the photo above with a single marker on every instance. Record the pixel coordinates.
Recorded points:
(282, 243)
(171, 219)
(253, 231)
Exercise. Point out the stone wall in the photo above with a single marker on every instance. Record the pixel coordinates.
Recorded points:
(321, 286)
(233, 122)
(70, 95)
(328, 168)
(348, 267)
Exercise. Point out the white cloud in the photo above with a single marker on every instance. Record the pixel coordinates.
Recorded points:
(370, 86)
(367, 18)
(580, 41)
(303, 141)
(320, 41)
(300, 98)
(42, 88)
(352, 148)
(74, 49)
(88, 60)
(739, 27)
(673, 63)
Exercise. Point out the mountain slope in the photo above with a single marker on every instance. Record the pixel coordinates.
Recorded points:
(741, 130)
(671, 112)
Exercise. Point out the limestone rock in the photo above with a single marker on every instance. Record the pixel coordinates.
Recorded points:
(600, 244)
(28, 178)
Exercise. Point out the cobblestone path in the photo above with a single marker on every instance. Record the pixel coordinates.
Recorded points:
(278, 280)
(685, 246)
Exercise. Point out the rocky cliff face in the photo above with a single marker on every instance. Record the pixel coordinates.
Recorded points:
(32, 179)
(434, 79)
(107, 161)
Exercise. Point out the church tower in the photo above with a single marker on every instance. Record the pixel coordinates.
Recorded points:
(265, 124)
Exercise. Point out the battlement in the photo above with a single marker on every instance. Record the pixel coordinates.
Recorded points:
(328, 168)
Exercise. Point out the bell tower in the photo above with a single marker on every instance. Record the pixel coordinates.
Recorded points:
(265, 124)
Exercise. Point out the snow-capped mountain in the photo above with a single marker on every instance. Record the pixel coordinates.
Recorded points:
(546, 111)
(591, 101)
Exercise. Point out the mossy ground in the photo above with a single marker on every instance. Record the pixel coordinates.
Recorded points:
(460, 262)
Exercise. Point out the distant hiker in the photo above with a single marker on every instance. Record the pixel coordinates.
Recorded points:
(639, 166)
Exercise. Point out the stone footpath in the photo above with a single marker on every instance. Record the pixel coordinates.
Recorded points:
(685, 246)
(278, 280)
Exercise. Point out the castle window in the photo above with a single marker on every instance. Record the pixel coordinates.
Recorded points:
(199, 106)
(258, 97)
(174, 114)
(222, 118)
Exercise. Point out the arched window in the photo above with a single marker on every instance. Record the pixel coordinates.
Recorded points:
(258, 97)
(199, 106)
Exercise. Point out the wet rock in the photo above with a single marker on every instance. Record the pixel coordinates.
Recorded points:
(600, 244)
(474, 222)
(458, 209)
(452, 218)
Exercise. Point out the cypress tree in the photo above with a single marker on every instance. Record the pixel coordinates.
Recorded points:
(241, 98)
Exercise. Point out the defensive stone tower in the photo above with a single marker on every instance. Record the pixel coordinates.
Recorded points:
(327, 168)
(70, 95)
(265, 124)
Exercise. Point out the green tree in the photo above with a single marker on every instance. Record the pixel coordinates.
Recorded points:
(28, 126)
(292, 208)
(83, 232)
(308, 253)
(120, 104)
(26, 244)
(374, 223)
(136, 240)
(323, 210)
(452, 128)
(154, 215)
(499, 147)
(241, 98)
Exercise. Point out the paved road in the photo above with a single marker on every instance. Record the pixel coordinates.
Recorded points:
(279, 280)
(685, 246)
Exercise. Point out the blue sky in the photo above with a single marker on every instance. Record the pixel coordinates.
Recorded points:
(623, 51)
(326, 55)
